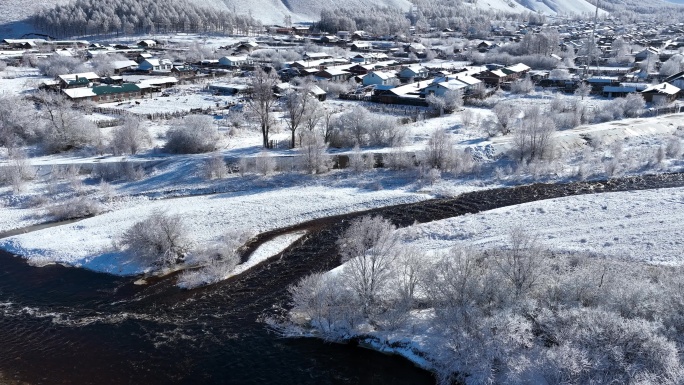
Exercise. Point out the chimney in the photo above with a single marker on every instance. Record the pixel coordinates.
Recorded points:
(77, 78)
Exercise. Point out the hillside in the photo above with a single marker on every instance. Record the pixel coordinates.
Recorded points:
(275, 11)
(548, 7)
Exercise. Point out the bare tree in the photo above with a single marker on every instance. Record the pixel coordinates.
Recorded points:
(506, 115)
(18, 171)
(262, 100)
(130, 137)
(439, 151)
(314, 157)
(533, 139)
(297, 105)
(367, 248)
(521, 263)
(583, 90)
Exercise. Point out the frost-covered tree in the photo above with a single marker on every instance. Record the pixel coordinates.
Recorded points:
(130, 137)
(533, 139)
(16, 121)
(367, 248)
(192, 134)
(63, 127)
(160, 239)
(262, 100)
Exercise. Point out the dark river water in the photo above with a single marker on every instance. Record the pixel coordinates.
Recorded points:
(62, 325)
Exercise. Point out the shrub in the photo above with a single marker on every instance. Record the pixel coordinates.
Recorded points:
(80, 207)
(215, 167)
(118, 171)
(216, 261)
(130, 137)
(313, 155)
(161, 239)
(192, 135)
(265, 163)
(359, 162)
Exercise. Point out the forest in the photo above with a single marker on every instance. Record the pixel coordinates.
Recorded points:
(127, 17)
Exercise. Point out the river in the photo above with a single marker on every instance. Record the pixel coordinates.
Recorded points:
(62, 325)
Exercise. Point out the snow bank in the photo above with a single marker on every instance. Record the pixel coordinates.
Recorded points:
(89, 243)
(641, 225)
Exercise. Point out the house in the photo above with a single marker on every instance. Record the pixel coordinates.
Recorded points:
(143, 56)
(663, 93)
(676, 80)
(147, 43)
(414, 72)
(78, 80)
(360, 46)
(493, 78)
(23, 43)
(316, 56)
(228, 89)
(305, 64)
(235, 61)
(486, 45)
(123, 65)
(184, 72)
(155, 85)
(333, 74)
(516, 71)
(113, 80)
(314, 90)
(361, 69)
(380, 78)
(598, 82)
(468, 82)
(618, 91)
(247, 46)
(360, 35)
(330, 39)
(415, 48)
(647, 53)
(441, 88)
(155, 65)
(104, 93)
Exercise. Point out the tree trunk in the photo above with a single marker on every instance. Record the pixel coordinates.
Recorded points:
(264, 133)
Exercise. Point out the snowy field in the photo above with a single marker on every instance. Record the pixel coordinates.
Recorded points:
(178, 101)
(638, 225)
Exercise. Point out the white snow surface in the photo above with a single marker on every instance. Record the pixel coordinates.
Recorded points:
(268, 250)
(89, 243)
(639, 225)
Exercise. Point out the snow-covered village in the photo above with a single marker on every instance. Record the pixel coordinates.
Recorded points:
(365, 192)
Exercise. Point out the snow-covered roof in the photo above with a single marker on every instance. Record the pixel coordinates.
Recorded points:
(452, 84)
(84, 75)
(662, 88)
(119, 64)
(79, 93)
(384, 75)
(520, 67)
(314, 55)
(336, 72)
(234, 59)
(159, 81)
